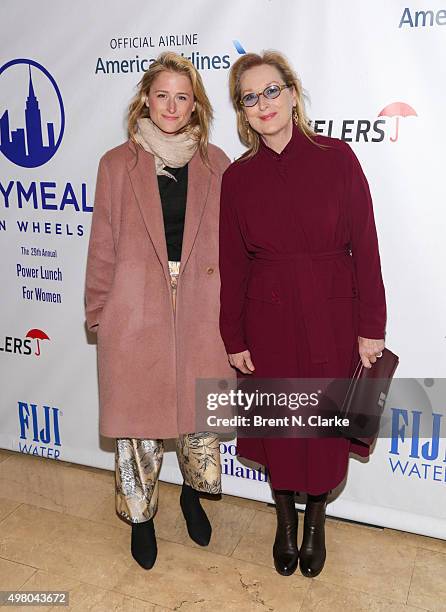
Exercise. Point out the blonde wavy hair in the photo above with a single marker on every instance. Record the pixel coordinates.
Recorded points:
(247, 135)
(202, 116)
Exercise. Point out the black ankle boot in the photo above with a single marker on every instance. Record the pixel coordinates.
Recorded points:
(198, 525)
(312, 550)
(144, 548)
(285, 551)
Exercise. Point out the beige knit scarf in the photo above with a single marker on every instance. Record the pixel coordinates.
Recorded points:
(174, 151)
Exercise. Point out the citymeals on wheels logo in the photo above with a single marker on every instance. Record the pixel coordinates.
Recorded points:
(32, 125)
(39, 430)
(27, 138)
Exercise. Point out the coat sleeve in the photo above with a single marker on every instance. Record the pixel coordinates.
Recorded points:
(234, 269)
(364, 246)
(101, 251)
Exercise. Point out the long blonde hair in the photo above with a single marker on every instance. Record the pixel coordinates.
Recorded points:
(203, 113)
(248, 136)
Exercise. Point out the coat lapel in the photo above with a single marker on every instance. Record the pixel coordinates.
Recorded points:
(198, 185)
(141, 169)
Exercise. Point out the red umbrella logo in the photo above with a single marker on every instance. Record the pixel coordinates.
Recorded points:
(37, 334)
(397, 109)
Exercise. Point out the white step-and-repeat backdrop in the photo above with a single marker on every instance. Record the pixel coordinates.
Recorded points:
(375, 75)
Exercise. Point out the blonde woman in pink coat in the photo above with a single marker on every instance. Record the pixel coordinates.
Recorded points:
(152, 295)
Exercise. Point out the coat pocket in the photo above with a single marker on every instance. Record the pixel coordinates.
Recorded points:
(264, 289)
(343, 283)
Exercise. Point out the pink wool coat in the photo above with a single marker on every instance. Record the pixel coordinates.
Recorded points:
(148, 356)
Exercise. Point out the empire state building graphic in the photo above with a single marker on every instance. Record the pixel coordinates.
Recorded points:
(25, 145)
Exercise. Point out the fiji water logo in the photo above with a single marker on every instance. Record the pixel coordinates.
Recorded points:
(27, 138)
(422, 460)
(29, 345)
(385, 127)
(39, 430)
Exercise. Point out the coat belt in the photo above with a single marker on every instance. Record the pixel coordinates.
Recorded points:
(314, 304)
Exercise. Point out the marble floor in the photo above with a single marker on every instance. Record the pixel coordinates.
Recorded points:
(58, 531)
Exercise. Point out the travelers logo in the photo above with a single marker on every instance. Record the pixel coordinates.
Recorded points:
(32, 141)
(37, 334)
(382, 129)
(397, 109)
(24, 346)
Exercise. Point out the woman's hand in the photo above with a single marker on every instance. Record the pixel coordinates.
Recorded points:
(370, 350)
(242, 361)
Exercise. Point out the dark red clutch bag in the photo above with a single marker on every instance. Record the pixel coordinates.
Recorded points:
(365, 398)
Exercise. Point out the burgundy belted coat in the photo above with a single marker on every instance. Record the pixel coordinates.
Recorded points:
(300, 281)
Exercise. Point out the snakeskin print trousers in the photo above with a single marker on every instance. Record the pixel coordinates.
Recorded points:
(138, 462)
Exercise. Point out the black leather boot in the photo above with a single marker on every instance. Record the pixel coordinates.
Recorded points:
(198, 525)
(312, 551)
(285, 551)
(143, 547)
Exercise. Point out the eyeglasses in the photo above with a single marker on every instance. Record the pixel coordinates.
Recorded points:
(270, 92)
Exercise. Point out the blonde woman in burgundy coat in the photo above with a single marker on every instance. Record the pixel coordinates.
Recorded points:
(152, 295)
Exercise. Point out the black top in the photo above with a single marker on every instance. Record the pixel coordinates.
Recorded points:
(173, 199)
